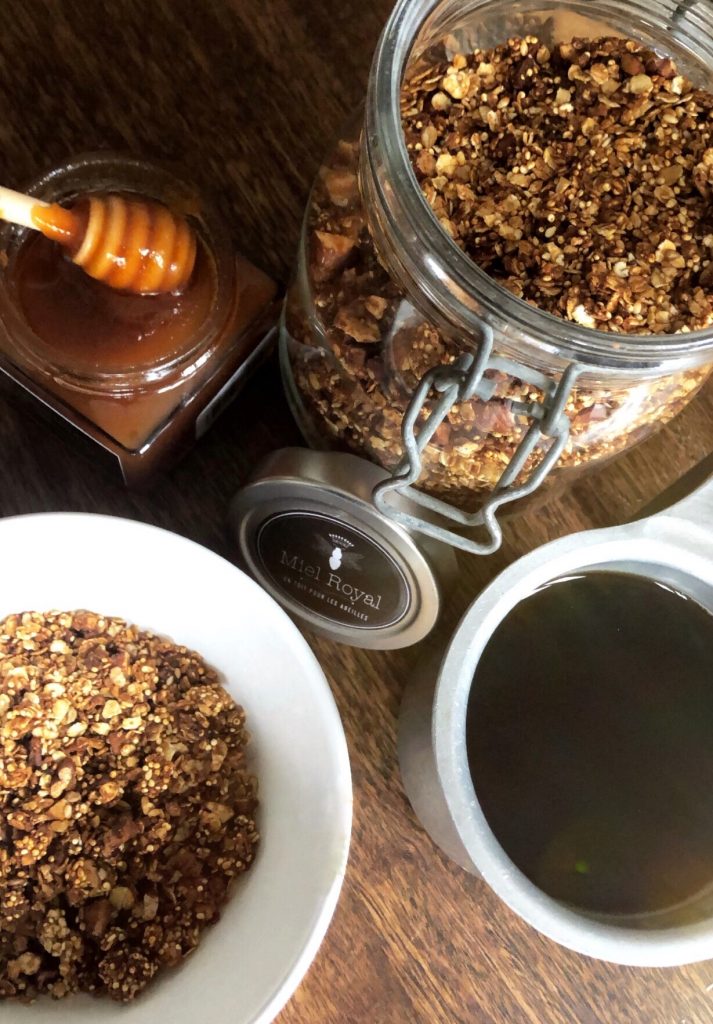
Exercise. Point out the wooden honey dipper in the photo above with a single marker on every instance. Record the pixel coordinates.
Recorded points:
(133, 245)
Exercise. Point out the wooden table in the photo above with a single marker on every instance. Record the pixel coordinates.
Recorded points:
(247, 94)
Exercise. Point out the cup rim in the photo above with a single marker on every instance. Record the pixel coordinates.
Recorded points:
(663, 541)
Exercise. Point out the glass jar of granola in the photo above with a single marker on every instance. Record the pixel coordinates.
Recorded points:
(507, 259)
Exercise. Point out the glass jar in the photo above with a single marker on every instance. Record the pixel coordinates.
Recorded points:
(382, 294)
(142, 396)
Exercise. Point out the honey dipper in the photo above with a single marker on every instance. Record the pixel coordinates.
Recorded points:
(133, 245)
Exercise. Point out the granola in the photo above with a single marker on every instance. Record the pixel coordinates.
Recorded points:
(579, 177)
(126, 808)
(357, 341)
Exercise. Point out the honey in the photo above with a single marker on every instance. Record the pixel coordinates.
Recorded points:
(99, 330)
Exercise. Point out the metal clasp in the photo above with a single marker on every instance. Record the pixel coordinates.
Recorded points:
(459, 382)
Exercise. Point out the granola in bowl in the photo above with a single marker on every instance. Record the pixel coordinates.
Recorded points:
(126, 805)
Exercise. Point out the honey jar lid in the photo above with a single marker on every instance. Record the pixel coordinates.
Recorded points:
(309, 533)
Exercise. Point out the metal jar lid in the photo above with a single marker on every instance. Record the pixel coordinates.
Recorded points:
(310, 535)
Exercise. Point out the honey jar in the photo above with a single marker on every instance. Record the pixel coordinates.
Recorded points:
(142, 376)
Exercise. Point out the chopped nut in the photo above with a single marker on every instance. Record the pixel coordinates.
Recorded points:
(330, 253)
(703, 175)
(342, 186)
(632, 65)
(357, 322)
(640, 84)
(150, 907)
(121, 898)
(376, 305)
(446, 164)
(111, 709)
(426, 163)
(96, 916)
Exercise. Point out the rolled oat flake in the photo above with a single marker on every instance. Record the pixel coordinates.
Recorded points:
(310, 534)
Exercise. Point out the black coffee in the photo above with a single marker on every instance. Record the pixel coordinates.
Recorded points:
(590, 740)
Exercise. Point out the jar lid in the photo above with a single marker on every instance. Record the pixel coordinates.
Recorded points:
(311, 536)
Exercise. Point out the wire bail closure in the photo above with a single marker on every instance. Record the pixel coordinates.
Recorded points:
(453, 384)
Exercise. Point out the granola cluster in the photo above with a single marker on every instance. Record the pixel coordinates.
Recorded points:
(126, 809)
(579, 177)
(597, 205)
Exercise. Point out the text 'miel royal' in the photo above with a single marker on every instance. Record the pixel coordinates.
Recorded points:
(314, 572)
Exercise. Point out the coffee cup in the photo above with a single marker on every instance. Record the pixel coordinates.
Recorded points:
(673, 548)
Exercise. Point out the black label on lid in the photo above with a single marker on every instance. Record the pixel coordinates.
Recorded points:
(333, 570)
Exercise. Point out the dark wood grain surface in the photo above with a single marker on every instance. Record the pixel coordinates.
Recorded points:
(247, 94)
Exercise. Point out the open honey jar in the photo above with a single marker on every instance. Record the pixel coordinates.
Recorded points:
(141, 375)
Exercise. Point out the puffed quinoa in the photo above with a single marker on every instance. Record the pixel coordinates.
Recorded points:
(126, 807)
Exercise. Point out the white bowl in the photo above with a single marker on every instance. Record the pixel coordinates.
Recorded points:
(248, 964)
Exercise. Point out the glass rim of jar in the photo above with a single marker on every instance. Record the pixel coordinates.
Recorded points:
(463, 292)
(123, 172)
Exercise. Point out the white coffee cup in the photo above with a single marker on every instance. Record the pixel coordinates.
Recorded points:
(674, 547)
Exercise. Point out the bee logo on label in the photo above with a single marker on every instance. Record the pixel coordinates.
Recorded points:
(338, 552)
